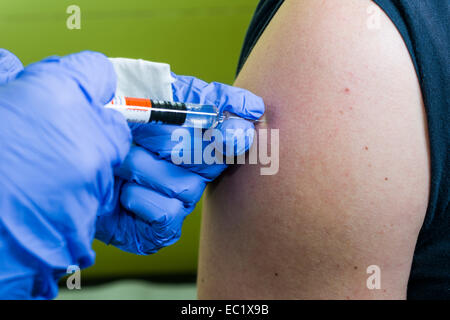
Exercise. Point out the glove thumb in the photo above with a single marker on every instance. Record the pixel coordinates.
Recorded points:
(10, 66)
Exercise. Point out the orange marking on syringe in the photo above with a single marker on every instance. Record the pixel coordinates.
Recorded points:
(138, 102)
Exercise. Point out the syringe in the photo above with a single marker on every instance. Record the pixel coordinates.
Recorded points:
(190, 115)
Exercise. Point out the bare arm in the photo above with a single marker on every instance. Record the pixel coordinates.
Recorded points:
(352, 188)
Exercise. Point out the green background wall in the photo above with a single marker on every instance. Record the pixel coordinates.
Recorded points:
(198, 37)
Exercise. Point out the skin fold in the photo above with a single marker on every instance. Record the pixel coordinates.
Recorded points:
(354, 173)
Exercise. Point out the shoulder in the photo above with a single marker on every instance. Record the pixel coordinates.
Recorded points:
(353, 173)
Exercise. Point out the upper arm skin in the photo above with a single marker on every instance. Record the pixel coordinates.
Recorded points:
(352, 188)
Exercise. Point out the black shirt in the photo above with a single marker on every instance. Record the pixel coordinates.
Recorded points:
(424, 26)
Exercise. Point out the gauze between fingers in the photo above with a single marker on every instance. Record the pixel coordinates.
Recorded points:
(143, 79)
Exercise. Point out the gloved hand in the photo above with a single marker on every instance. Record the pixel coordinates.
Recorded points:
(58, 150)
(157, 138)
(156, 195)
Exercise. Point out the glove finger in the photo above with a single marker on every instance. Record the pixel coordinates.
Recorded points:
(151, 240)
(129, 231)
(95, 80)
(92, 71)
(238, 136)
(165, 140)
(146, 169)
(10, 66)
(209, 172)
(238, 101)
(95, 75)
(164, 215)
(158, 138)
(118, 129)
(188, 89)
(190, 146)
(227, 98)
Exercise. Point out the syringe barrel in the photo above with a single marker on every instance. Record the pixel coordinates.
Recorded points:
(165, 112)
(201, 116)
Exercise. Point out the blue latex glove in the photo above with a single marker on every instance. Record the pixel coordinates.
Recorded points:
(155, 194)
(58, 150)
